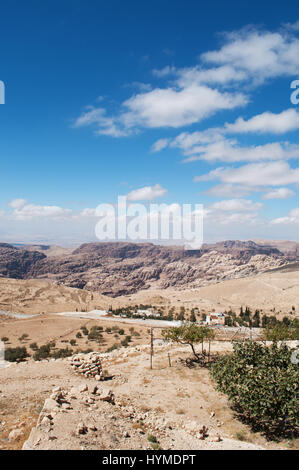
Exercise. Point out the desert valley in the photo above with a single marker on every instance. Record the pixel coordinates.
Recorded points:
(114, 301)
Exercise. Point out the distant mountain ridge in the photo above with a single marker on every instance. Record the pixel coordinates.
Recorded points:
(119, 268)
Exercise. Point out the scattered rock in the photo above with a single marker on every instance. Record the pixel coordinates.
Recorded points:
(89, 365)
(15, 435)
(82, 429)
(51, 405)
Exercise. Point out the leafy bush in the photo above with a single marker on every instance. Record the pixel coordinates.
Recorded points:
(15, 354)
(42, 353)
(23, 337)
(60, 353)
(262, 385)
(281, 332)
(94, 335)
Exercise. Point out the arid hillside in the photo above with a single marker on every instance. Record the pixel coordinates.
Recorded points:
(115, 269)
(33, 296)
(275, 292)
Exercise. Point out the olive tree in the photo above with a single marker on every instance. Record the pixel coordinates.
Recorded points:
(190, 334)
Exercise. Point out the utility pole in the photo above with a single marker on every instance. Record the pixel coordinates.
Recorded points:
(152, 347)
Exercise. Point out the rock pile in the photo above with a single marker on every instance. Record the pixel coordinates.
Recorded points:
(89, 365)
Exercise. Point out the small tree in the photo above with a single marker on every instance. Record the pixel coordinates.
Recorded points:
(188, 333)
(16, 354)
(280, 332)
(193, 316)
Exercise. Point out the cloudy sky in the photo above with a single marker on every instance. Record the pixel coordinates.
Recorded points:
(163, 101)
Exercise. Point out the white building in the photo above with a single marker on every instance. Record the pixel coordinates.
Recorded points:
(215, 319)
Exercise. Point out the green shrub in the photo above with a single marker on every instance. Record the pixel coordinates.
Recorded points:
(23, 337)
(15, 354)
(262, 385)
(155, 446)
(62, 353)
(33, 346)
(94, 335)
(4, 339)
(42, 353)
(152, 438)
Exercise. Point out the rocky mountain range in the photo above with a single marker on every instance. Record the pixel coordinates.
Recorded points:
(123, 268)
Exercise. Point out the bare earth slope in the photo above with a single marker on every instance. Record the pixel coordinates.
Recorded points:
(118, 268)
(273, 292)
(33, 296)
(172, 404)
(277, 289)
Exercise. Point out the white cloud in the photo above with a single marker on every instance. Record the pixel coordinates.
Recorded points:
(103, 124)
(230, 151)
(161, 107)
(279, 193)
(236, 205)
(291, 218)
(229, 191)
(147, 193)
(160, 145)
(280, 123)
(255, 174)
(261, 54)
(167, 70)
(233, 211)
(23, 210)
(292, 26)
(17, 203)
(211, 145)
(170, 107)
(249, 55)
(218, 75)
(89, 212)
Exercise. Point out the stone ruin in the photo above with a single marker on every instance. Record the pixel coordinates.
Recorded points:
(88, 365)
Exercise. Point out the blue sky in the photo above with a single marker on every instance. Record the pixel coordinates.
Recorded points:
(166, 101)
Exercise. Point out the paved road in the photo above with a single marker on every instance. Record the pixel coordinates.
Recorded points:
(101, 316)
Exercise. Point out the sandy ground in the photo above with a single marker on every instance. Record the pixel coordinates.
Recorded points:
(62, 329)
(271, 292)
(167, 402)
(36, 296)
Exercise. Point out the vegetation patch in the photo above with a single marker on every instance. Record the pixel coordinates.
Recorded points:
(262, 385)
